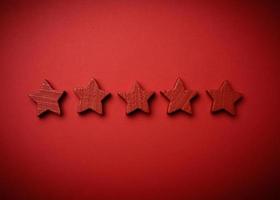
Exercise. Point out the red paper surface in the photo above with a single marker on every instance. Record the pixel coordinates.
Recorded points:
(154, 156)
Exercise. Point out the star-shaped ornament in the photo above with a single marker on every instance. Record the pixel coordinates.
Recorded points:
(179, 98)
(137, 99)
(91, 97)
(224, 98)
(46, 99)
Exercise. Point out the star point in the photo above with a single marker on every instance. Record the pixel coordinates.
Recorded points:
(224, 98)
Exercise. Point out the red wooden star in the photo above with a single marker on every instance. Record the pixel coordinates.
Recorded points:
(46, 99)
(137, 99)
(224, 98)
(179, 98)
(91, 97)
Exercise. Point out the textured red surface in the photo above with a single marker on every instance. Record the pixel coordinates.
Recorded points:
(46, 99)
(137, 99)
(179, 98)
(224, 98)
(154, 156)
(91, 97)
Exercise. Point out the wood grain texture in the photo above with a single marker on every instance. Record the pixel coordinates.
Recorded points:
(179, 98)
(47, 99)
(224, 98)
(136, 99)
(91, 97)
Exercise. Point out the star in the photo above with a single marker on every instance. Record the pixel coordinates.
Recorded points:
(224, 98)
(179, 98)
(46, 99)
(91, 97)
(137, 99)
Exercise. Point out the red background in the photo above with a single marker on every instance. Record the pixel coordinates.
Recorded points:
(154, 156)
